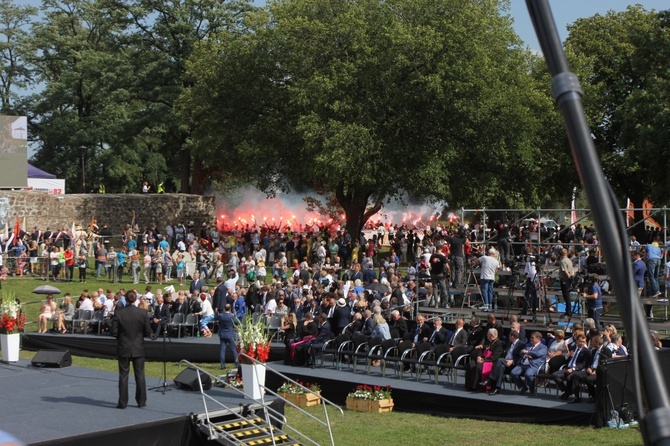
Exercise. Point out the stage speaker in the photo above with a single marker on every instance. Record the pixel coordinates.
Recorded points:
(188, 380)
(52, 358)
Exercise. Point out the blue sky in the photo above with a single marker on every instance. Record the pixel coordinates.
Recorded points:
(567, 11)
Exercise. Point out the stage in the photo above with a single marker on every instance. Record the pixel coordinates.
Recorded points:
(77, 406)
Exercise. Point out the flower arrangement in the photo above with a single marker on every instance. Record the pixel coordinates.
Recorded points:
(292, 388)
(372, 393)
(254, 340)
(12, 319)
(235, 381)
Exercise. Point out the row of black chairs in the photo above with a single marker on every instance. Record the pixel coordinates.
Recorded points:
(345, 350)
(396, 353)
(86, 321)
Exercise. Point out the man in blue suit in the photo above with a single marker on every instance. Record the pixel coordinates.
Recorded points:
(227, 322)
(534, 356)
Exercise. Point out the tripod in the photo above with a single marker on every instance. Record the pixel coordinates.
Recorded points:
(162, 388)
(470, 275)
(541, 276)
(513, 285)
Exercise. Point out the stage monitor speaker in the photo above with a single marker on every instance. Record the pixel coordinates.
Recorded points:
(52, 358)
(188, 380)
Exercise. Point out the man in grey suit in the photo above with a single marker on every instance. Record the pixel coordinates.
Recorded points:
(533, 358)
(506, 363)
(130, 326)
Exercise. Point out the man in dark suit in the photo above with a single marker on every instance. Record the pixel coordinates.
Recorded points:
(398, 325)
(464, 340)
(180, 306)
(439, 334)
(227, 323)
(533, 358)
(421, 331)
(589, 374)
(577, 361)
(368, 323)
(220, 297)
(130, 326)
(505, 364)
(196, 285)
(324, 335)
(161, 317)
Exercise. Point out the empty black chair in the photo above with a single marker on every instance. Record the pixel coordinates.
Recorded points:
(175, 323)
(82, 318)
(394, 356)
(191, 322)
(335, 347)
(379, 352)
(362, 347)
(443, 360)
(410, 358)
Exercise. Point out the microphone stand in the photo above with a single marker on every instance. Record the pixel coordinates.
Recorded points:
(162, 388)
(649, 382)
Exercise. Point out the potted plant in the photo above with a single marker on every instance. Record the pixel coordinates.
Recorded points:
(254, 342)
(301, 394)
(370, 399)
(12, 321)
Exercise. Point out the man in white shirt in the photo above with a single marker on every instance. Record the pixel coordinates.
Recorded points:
(489, 266)
(232, 280)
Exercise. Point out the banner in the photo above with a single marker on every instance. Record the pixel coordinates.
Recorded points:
(13, 151)
(53, 187)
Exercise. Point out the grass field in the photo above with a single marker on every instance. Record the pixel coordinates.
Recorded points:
(360, 428)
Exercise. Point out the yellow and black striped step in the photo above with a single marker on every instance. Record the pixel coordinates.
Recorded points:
(268, 440)
(242, 424)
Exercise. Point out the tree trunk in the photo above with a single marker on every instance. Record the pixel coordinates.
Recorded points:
(185, 172)
(355, 205)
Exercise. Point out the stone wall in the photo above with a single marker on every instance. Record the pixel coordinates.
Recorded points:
(116, 210)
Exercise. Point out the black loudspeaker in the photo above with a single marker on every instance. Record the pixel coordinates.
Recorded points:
(188, 380)
(52, 358)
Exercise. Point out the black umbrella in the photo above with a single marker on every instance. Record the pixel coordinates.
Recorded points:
(376, 287)
(46, 289)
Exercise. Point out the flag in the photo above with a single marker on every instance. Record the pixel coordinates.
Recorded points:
(72, 231)
(132, 224)
(17, 227)
(573, 212)
(629, 211)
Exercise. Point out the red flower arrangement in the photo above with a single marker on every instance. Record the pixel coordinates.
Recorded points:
(254, 340)
(13, 320)
(373, 393)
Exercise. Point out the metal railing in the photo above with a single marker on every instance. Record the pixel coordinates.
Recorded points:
(270, 414)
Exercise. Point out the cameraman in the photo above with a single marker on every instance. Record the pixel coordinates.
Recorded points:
(565, 274)
(530, 293)
(594, 301)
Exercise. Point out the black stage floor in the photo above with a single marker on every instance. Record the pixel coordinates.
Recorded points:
(77, 406)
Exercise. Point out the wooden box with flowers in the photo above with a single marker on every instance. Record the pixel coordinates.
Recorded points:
(298, 394)
(370, 399)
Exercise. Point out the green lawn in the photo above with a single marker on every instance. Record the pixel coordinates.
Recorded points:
(360, 428)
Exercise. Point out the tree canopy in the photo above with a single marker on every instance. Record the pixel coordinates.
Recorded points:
(369, 100)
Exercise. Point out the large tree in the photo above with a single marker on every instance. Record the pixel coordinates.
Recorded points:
(370, 99)
(624, 62)
(14, 73)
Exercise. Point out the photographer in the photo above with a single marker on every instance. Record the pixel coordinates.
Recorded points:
(565, 274)
(530, 292)
(594, 302)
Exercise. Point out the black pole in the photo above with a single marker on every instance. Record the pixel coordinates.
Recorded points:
(655, 423)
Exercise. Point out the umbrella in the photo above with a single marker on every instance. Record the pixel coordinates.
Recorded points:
(376, 287)
(46, 289)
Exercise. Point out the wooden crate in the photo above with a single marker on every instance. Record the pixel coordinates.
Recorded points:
(361, 405)
(302, 399)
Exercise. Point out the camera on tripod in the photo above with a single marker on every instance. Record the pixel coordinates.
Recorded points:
(582, 281)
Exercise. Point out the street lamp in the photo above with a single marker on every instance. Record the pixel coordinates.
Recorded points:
(83, 169)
